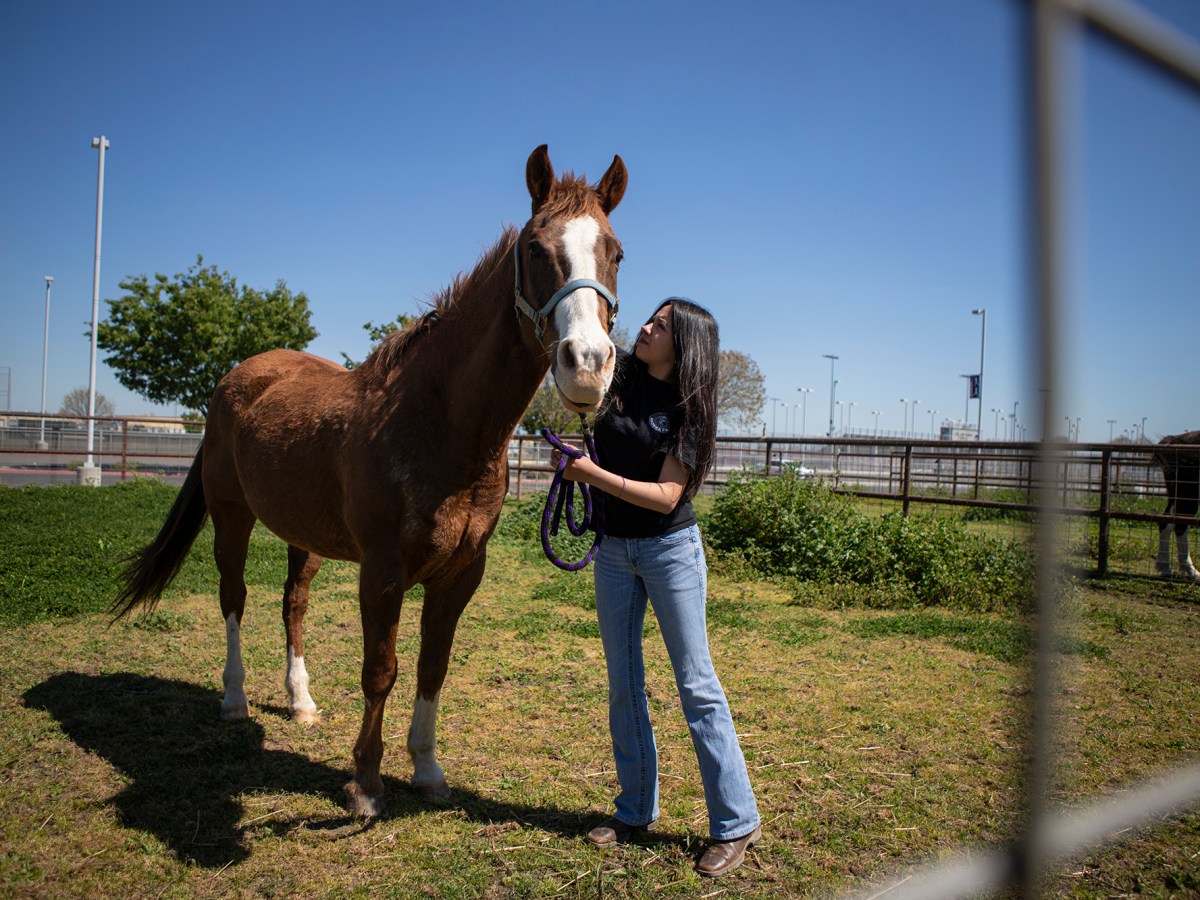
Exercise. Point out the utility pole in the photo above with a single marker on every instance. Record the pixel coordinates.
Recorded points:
(42, 445)
(89, 474)
(832, 388)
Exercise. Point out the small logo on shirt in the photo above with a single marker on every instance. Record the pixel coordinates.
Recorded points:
(660, 423)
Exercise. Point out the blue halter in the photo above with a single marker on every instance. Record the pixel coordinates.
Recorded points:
(540, 317)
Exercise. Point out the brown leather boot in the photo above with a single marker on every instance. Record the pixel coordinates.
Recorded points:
(722, 857)
(614, 831)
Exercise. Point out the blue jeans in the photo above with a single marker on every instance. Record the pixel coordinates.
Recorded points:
(671, 572)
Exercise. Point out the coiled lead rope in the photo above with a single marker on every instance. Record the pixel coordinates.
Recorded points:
(558, 498)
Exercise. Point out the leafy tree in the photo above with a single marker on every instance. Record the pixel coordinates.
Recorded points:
(377, 333)
(741, 390)
(76, 404)
(173, 340)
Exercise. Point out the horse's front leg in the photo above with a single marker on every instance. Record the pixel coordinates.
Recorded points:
(302, 568)
(380, 595)
(443, 604)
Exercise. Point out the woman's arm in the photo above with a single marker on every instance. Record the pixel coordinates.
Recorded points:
(662, 496)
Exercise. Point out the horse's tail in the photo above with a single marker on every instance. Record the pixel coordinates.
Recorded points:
(151, 569)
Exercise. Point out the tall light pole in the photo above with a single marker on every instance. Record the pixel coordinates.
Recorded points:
(774, 409)
(42, 445)
(841, 407)
(875, 413)
(832, 388)
(932, 413)
(982, 313)
(90, 473)
(804, 392)
(904, 430)
(995, 423)
(850, 416)
(1111, 423)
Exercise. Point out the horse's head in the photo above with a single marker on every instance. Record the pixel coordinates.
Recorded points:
(567, 258)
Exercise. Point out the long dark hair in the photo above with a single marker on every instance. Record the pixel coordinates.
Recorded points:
(697, 355)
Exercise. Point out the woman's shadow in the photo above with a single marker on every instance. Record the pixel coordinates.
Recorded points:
(187, 769)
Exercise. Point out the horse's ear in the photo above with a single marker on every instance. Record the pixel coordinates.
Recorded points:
(539, 176)
(612, 186)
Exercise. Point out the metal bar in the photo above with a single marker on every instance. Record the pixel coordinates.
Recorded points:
(1137, 30)
(1102, 563)
(1046, 99)
(1067, 835)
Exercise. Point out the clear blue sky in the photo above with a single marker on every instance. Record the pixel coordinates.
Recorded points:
(827, 177)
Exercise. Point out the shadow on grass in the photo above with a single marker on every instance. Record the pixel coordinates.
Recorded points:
(186, 768)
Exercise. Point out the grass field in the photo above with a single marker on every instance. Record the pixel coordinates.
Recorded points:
(876, 739)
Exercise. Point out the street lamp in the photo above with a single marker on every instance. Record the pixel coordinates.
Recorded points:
(42, 445)
(875, 413)
(804, 392)
(932, 413)
(90, 473)
(904, 431)
(850, 416)
(982, 313)
(832, 388)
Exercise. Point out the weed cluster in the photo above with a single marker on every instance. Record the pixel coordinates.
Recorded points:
(796, 527)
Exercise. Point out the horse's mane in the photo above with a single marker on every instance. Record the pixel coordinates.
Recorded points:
(570, 196)
(390, 350)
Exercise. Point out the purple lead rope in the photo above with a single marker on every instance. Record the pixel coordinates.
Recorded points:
(558, 498)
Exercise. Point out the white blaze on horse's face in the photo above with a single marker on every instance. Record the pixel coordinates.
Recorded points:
(585, 356)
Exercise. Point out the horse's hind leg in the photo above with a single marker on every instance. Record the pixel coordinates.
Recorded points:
(1162, 562)
(302, 568)
(440, 612)
(1186, 569)
(232, 525)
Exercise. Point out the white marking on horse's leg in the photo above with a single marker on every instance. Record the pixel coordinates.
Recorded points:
(428, 777)
(300, 703)
(585, 353)
(234, 706)
(1186, 569)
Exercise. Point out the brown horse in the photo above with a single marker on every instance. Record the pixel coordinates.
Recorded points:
(401, 464)
(1181, 473)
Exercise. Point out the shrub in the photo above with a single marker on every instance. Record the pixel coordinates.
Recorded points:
(801, 529)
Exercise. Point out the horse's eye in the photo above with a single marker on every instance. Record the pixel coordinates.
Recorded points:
(620, 256)
(536, 249)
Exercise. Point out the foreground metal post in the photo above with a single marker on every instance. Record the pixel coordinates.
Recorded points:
(1047, 114)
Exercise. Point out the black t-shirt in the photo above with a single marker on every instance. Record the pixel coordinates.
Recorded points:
(634, 435)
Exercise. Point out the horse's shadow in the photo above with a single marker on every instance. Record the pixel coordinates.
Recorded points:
(187, 769)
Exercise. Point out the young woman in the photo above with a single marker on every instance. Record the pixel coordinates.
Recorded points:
(655, 441)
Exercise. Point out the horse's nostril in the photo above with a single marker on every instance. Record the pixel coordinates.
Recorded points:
(567, 357)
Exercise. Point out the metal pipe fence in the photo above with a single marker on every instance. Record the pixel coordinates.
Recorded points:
(1112, 496)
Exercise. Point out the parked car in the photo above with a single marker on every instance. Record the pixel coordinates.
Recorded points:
(792, 465)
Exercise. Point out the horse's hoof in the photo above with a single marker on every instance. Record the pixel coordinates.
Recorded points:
(363, 805)
(234, 713)
(306, 716)
(433, 793)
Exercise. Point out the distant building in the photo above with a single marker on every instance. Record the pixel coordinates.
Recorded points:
(958, 431)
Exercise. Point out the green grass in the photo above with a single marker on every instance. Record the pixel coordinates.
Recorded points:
(877, 735)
